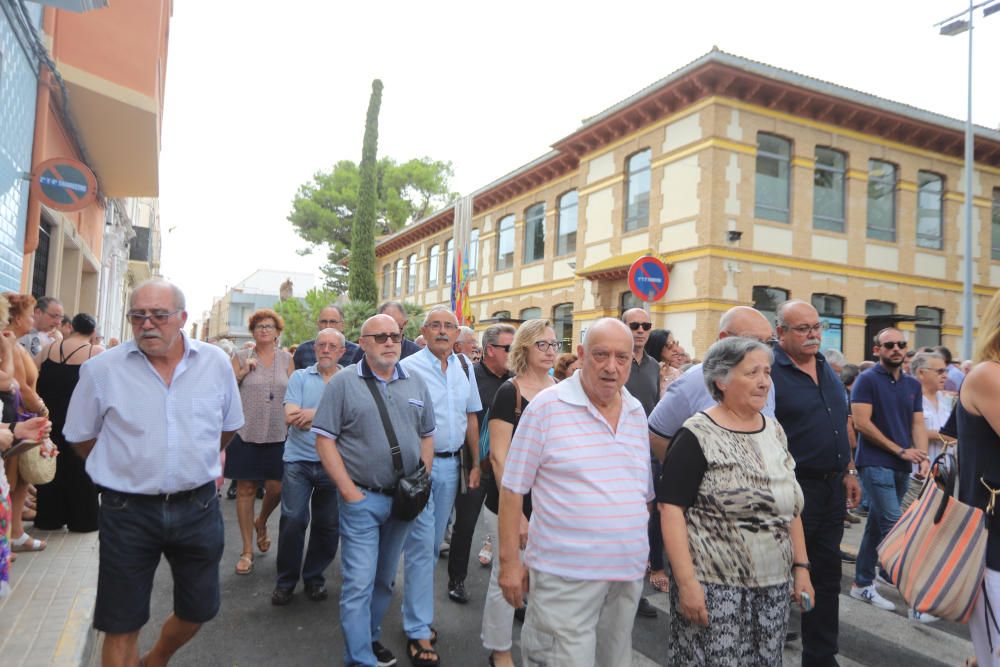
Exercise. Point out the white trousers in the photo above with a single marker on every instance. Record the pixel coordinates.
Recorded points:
(579, 623)
(983, 630)
(498, 616)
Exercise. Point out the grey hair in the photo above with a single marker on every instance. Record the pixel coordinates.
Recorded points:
(438, 309)
(335, 307)
(835, 357)
(468, 331)
(779, 315)
(492, 333)
(922, 359)
(725, 355)
(340, 337)
(179, 302)
(390, 304)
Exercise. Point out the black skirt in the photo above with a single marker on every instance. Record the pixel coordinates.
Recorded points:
(253, 461)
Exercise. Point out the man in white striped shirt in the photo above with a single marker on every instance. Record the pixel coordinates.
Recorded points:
(582, 449)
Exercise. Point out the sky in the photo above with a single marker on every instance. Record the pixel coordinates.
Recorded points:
(262, 95)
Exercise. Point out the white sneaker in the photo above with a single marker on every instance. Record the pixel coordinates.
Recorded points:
(870, 595)
(921, 617)
(882, 580)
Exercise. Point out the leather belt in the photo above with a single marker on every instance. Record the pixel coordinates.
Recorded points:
(173, 497)
(384, 490)
(448, 455)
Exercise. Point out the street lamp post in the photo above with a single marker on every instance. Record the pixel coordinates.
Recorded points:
(952, 26)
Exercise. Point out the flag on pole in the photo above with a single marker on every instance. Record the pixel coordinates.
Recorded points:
(460, 269)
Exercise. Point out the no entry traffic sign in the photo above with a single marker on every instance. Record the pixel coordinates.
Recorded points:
(64, 184)
(648, 278)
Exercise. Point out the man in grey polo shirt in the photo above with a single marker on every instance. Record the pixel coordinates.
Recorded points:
(353, 447)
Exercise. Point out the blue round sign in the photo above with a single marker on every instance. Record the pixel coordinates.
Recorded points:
(648, 278)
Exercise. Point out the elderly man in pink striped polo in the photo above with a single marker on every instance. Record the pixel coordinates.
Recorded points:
(582, 450)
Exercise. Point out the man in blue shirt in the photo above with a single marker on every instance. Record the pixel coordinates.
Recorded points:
(811, 406)
(453, 389)
(887, 407)
(305, 482)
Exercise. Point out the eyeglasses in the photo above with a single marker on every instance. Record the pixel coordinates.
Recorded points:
(437, 326)
(939, 371)
(634, 326)
(505, 348)
(901, 344)
(543, 345)
(810, 328)
(324, 346)
(380, 338)
(139, 317)
(331, 321)
(265, 327)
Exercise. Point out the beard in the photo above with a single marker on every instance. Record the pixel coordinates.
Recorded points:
(891, 363)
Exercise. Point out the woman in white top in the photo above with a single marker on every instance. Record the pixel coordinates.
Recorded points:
(932, 371)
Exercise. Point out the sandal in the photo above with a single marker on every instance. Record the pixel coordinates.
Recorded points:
(486, 553)
(659, 581)
(421, 656)
(27, 543)
(245, 558)
(263, 542)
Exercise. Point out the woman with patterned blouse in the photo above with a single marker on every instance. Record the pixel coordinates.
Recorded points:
(729, 509)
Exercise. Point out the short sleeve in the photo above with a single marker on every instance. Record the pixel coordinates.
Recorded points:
(329, 416)
(427, 423)
(683, 471)
(503, 403)
(918, 397)
(526, 448)
(673, 409)
(293, 393)
(232, 415)
(474, 404)
(85, 416)
(863, 389)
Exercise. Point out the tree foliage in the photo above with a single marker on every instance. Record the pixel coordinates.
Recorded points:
(361, 277)
(300, 316)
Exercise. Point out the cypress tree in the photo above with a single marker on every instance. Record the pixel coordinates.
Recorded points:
(361, 284)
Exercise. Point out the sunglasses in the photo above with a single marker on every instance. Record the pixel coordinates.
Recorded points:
(380, 338)
(901, 344)
(139, 317)
(634, 326)
(505, 348)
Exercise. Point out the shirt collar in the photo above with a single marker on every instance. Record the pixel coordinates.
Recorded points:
(486, 369)
(781, 357)
(190, 346)
(571, 391)
(365, 371)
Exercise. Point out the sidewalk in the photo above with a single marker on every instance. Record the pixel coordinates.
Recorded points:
(48, 615)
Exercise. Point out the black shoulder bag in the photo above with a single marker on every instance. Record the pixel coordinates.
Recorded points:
(413, 491)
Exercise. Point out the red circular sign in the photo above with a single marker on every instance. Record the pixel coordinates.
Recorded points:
(648, 278)
(64, 184)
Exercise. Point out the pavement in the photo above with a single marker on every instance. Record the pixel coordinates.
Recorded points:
(53, 595)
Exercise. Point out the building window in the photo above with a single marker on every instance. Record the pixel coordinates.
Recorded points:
(627, 301)
(767, 300)
(433, 265)
(569, 205)
(411, 274)
(881, 200)
(831, 311)
(386, 279)
(534, 233)
(562, 323)
(473, 251)
(637, 182)
(505, 243)
(397, 286)
(930, 190)
(449, 261)
(996, 223)
(501, 315)
(773, 178)
(40, 275)
(928, 326)
(530, 313)
(877, 308)
(828, 190)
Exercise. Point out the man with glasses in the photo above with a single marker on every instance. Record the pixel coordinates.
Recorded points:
(397, 312)
(452, 385)
(308, 495)
(644, 384)
(352, 444)
(150, 416)
(811, 406)
(330, 317)
(491, 372)
(47, 317)
(887, 407)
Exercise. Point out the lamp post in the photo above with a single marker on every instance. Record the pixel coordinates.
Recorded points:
(951, 26)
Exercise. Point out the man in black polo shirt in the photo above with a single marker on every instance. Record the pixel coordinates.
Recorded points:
(644, 384)
(491, 372)
(811, 406)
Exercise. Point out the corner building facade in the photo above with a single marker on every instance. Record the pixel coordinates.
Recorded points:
(754, 185)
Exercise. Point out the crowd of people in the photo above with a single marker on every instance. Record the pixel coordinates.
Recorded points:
(725, 482)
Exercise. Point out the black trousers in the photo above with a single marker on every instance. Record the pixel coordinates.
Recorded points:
(467, 508)
(823, 524)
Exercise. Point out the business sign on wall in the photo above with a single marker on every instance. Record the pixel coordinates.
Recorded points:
(64, 184)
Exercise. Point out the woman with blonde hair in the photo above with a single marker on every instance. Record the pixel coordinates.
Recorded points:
(978, 416)
(532, 354)
(255, 453)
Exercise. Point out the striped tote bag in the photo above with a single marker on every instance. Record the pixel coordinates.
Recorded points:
(936, 553)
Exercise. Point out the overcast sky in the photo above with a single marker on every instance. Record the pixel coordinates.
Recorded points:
(260, 96)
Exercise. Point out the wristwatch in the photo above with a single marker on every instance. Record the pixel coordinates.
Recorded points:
(853, 472)
(805, 566)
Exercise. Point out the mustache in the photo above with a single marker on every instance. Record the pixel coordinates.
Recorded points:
(150, 334)
(441, 337)
(812, 342)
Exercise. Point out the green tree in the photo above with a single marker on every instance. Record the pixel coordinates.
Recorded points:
(361, 279)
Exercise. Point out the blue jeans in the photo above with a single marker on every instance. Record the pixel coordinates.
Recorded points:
(422, 549)
(370, 544)
(306, 483)
(885, 488)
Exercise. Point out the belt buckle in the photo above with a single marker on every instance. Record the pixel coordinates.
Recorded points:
(168, 496)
